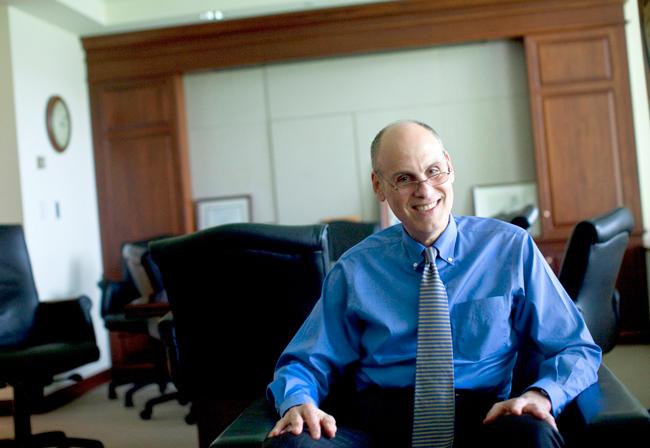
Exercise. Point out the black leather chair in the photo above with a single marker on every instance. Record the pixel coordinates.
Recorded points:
(525, 217)
(38, 340)
(602, 414)
(238, 293)
(590, 268)
(342, 235)
(142, 360)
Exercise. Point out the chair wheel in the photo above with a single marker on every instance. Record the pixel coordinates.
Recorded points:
(112, 395)
(189, 419)
(145, 414)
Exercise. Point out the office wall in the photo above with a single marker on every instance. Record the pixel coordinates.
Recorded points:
(297, 135)
(64, 247)
(10, 198)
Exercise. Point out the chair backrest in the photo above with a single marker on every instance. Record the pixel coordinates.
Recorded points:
(588, 273)
(590, 268)
(238, 294)
(132, 254)
(342, 235)
(18, 295)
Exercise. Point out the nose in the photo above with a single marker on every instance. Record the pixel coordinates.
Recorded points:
(423, 188)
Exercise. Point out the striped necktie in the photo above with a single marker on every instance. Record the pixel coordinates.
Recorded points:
(433, 413)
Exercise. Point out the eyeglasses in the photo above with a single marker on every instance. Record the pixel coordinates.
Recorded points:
(406, 185)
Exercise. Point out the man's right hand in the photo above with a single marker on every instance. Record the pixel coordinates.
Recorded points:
(297, 417)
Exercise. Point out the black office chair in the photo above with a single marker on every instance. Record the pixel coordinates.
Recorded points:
(342, 235)
(38, 340)
(238, 293)
(600, 415)
(524, 217)
(590, 268)
(142, 359)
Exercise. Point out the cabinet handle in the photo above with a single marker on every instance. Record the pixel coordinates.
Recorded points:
(547, 214)
(549, 260)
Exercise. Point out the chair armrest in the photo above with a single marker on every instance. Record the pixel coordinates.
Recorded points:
(66, 320)
(250, 428)
(607, 411)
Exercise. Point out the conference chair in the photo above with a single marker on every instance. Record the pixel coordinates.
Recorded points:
(590, 268)
(129, 311)
(238, 293)
(524, 217)
(342, 235)
(603, 413)
(38, 340)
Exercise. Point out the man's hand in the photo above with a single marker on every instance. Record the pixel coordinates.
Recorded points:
(532, 402)
(315, 419)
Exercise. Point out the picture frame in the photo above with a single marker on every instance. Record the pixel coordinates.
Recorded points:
(217, 211)
(496, 199)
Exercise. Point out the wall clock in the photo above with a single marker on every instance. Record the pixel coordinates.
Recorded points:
(59, 126)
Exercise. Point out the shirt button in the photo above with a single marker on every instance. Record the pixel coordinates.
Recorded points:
(415, 265)
(450, 259)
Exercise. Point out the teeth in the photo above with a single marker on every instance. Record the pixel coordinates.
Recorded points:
(424, 208)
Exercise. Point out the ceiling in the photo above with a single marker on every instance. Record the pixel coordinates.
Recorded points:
(93, 17)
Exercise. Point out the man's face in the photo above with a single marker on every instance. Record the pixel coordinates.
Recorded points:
(410, 152)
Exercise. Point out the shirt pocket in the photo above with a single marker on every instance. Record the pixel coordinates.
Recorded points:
(481, 327)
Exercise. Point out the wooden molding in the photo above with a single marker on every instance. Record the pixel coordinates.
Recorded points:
(335, 31)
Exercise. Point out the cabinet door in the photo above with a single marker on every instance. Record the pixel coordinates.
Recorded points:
(141, 163)
(580, 101)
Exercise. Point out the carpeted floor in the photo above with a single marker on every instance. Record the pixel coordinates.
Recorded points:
(95, 416)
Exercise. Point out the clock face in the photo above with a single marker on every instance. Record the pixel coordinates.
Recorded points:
(58, 123)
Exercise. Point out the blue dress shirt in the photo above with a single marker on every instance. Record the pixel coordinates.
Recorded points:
(500, 289)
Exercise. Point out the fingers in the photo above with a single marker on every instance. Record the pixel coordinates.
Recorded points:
(292, 421)
(295, 419)
(329, 426)
(519, 406)
(509, 407)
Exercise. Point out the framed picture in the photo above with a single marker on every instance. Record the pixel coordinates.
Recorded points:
(211, 212)
(492, 200)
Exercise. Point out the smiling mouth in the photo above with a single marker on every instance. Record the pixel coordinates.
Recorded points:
(426, 207)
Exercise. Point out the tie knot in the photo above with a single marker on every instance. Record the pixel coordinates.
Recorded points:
(430, 254)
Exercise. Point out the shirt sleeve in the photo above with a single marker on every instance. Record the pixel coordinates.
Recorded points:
(547, 316)
(325, 343)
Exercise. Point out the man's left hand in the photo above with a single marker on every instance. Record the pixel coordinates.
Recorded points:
(531, 402)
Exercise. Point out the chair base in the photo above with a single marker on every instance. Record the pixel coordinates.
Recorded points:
(50, 439)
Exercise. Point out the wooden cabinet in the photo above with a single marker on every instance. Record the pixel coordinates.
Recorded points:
(141, 163)
(584, 146)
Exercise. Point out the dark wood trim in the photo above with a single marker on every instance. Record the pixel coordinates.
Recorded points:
(335, 32)
(62, 396)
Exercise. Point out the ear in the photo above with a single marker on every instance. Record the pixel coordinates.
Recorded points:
(450, 167)
(376, 187)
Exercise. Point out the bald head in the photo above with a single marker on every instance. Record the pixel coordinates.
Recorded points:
(396, 126)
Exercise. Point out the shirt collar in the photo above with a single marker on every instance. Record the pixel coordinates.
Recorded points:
(445, 245)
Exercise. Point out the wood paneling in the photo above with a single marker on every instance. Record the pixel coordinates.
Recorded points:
(578, 82)
(584, 146)
(336, 31)
(580, 184)
(141, 165)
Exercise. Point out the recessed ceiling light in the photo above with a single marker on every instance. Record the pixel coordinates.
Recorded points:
(212, 15)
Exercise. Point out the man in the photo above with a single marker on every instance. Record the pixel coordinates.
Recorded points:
(501, 296)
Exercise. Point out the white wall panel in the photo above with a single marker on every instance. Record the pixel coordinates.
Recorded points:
(233, 160)
(474, 95)
(315, 169)
(225, 98)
